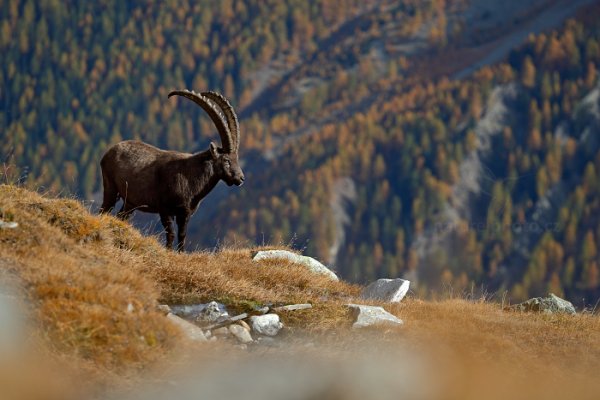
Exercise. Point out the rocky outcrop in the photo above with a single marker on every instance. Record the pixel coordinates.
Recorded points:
(366, 316)
(308, 262)
(388, 290)
(548, 305)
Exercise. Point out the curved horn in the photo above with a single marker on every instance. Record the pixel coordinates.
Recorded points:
(230, 116)
(214, 114)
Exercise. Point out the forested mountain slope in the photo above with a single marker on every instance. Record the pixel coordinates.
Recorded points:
(356, 147)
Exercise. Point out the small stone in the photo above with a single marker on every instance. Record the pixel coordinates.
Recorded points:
(372, 316)
(244, 325)
(240, 333)
(388, 290)
(268, 324)
(262, 310)
(190, 330)
(224, 331)
(308, 262)
(8, 225)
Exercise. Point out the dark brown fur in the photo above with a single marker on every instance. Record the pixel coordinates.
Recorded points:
(169, 183)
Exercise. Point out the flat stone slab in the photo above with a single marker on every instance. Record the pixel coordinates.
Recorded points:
(308, 262)
(293, 307)
(228, 321)
(268, 324)
(548, 305)
(389, 290)
(372, 316)
(190, 330)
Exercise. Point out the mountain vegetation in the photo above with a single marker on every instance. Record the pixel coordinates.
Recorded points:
(356, 152)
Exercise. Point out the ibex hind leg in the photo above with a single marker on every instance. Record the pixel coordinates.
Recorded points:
(110, 197)
(167, 222)
(182, 222)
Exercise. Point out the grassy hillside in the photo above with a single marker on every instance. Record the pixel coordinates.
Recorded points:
(91, 284)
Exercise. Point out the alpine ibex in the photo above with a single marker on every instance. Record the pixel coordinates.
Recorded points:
(171, 183)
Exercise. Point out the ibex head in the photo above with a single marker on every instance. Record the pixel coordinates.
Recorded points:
(226, 163)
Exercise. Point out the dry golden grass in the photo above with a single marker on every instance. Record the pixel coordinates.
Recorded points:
(92, 284)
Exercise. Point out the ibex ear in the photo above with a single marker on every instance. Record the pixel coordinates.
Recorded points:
(213, 150)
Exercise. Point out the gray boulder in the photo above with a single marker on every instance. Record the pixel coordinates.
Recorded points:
(212, 312)
(372, 316)
(548, 305)
(389, 290)
(268, 324)
(203, 312)
(308, 262)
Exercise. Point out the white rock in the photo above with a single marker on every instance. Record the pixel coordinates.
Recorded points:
(390, 290)
(8, 225)
(268, 324)
(190, 330)
(240, 333)
(372, 316)
(309, 262)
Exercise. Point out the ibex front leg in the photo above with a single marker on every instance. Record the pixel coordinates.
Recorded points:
(167, 222)
(182, 221)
